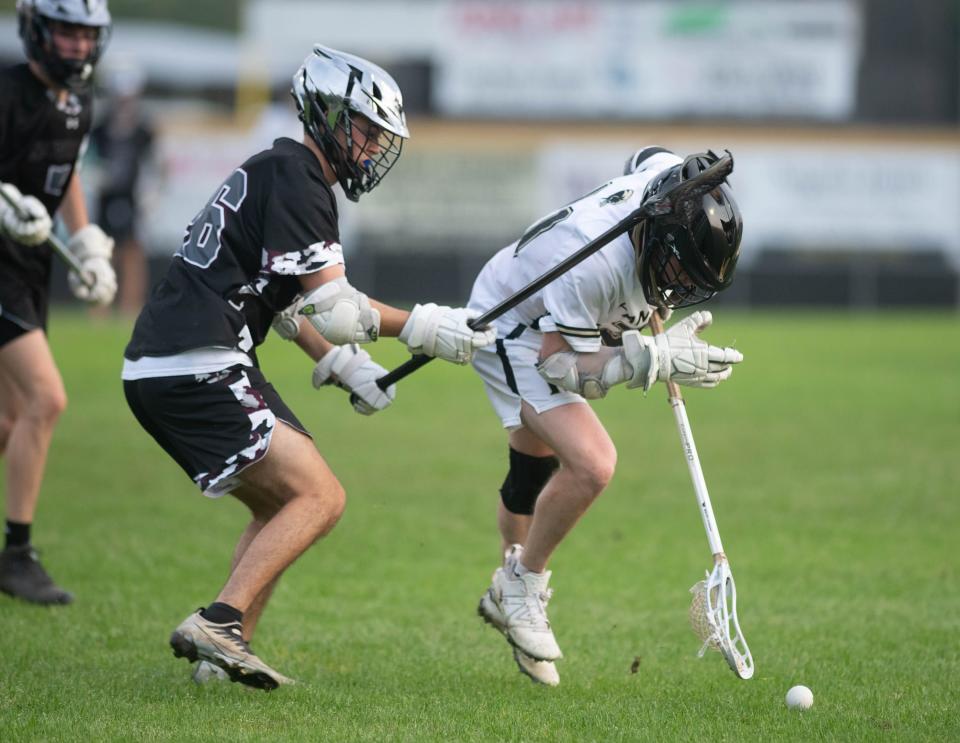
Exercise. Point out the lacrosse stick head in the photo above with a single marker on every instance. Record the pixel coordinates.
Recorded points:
(688, 245)
(713, 617)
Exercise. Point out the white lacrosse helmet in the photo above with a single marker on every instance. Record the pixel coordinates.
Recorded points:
(333, 90)
(36, 19)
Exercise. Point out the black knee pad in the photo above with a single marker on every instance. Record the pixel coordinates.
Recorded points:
(525, 480)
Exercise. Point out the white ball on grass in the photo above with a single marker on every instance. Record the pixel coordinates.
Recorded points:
(799, 697)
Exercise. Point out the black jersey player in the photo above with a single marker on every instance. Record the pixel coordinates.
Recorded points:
(44, 119)
(265, 251)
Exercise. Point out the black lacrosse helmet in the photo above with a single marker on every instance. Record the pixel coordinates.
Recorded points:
(683, 261)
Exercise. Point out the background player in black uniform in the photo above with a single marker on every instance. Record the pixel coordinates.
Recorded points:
(267, 240)
(44, 118)
(122, 145)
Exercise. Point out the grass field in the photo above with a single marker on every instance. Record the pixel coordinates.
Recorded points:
(831, 458)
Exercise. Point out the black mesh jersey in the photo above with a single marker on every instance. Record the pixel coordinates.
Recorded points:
(274, 218)
(41, 139)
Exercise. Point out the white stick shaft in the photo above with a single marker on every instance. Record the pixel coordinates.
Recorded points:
(696, 474)
(693, 459)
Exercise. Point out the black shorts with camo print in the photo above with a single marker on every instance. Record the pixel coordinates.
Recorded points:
(213, 425)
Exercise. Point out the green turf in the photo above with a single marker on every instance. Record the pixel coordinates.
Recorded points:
(832, 461)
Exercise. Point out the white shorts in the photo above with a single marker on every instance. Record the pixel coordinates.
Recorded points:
(509, 373)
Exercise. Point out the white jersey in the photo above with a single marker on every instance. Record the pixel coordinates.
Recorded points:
(602, 293)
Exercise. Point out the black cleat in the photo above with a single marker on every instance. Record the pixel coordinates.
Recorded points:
(22, 576)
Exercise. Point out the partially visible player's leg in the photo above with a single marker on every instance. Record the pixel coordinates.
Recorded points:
(33, 398)
(9, 404)
(29, 370)
(205, 671)
(514, 526)
(133, 276)
(588, 458)
(252, 615)
(306, 500)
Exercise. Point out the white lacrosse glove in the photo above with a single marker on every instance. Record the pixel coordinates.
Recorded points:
(443, 332)
(351, 368)
(341, 314)
(287, 322)
(23, 218)
(678, 355)
(93, 249)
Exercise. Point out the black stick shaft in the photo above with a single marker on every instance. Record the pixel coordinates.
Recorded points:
(414, 363)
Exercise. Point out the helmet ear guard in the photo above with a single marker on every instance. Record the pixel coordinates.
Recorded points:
(344, 102)
(685, 259)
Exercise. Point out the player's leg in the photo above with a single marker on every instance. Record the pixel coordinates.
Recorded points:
(29, 371)
(132, 261)
(205, 671)
(295, 499)
(33, 390)
(588, 459)
(252, 615)
(301, 499)
(9, 404)
(509, 373)
(531, 464)
(517, 600)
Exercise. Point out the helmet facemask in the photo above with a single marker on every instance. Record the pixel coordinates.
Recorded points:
(344, 139)
(663, 277)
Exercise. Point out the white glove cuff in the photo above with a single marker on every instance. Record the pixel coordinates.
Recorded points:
(415, 328)
(641, 353)
(91, 242)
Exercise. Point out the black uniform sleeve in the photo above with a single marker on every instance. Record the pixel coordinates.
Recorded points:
(300, 233)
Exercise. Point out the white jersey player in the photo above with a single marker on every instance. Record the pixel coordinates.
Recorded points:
(572, 341)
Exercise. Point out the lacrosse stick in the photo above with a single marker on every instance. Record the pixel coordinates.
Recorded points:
(58, 247)
(682, 200)
(713, 610)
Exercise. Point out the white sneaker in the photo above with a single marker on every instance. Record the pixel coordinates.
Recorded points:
(205, 671)
(521, 609)
(539, 671)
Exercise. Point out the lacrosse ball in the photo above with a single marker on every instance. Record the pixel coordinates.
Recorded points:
(799, 697)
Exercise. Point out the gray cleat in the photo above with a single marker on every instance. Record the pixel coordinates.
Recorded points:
(223, 645)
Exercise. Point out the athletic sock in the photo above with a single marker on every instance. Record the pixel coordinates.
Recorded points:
(17, 534)
(220, 613)
(519, 569)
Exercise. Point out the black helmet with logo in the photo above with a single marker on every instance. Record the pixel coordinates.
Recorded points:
(683, 260)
